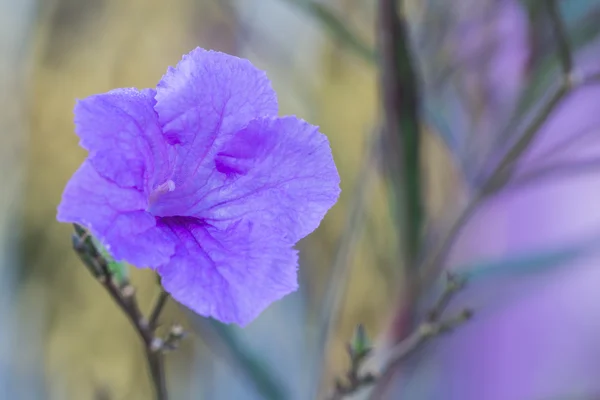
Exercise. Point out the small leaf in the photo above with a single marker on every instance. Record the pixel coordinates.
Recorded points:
(117, 269)
(361, 343)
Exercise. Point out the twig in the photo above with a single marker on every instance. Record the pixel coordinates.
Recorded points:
(504, 170)
(159, 304)
(432, 264)
(502, 173)
(420, 336)
(454, 284)
(433, 326)
(174, 337)
(354, 378)
(124, 295)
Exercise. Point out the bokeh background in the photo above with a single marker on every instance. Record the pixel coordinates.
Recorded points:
(484, 68)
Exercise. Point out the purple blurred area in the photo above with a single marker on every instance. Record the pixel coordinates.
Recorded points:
(535, 331)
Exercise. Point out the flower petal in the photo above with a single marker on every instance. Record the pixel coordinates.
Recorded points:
(231, 275)
(116, 216)
(120, 129)
(277, 172)
(206, 98)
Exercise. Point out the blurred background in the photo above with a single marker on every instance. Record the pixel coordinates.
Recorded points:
(485, 69)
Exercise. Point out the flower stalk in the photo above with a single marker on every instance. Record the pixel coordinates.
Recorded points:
(124, 294)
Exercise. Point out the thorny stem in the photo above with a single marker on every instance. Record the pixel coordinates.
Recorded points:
(123, 294)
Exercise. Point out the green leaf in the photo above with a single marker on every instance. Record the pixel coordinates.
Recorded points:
(360, 341)
(117, 269)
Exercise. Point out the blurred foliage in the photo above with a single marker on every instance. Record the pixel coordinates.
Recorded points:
(86, 47)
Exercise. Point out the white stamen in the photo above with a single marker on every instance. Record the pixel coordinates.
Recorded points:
(161, 189)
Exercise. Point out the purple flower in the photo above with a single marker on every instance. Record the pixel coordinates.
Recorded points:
(201, 181)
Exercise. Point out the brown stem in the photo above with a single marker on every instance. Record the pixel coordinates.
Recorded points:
(124, 295)
(159, 305)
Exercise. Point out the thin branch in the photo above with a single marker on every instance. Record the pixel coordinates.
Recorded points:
(124, 296)
(174, 337)
(159, 304)
(426, 331)
(433, 326)
(355, 379)
(503, 171)
(454, 284)
(432, 264)
(564, 145)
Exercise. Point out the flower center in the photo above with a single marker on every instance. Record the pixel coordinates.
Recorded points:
(158, 191)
